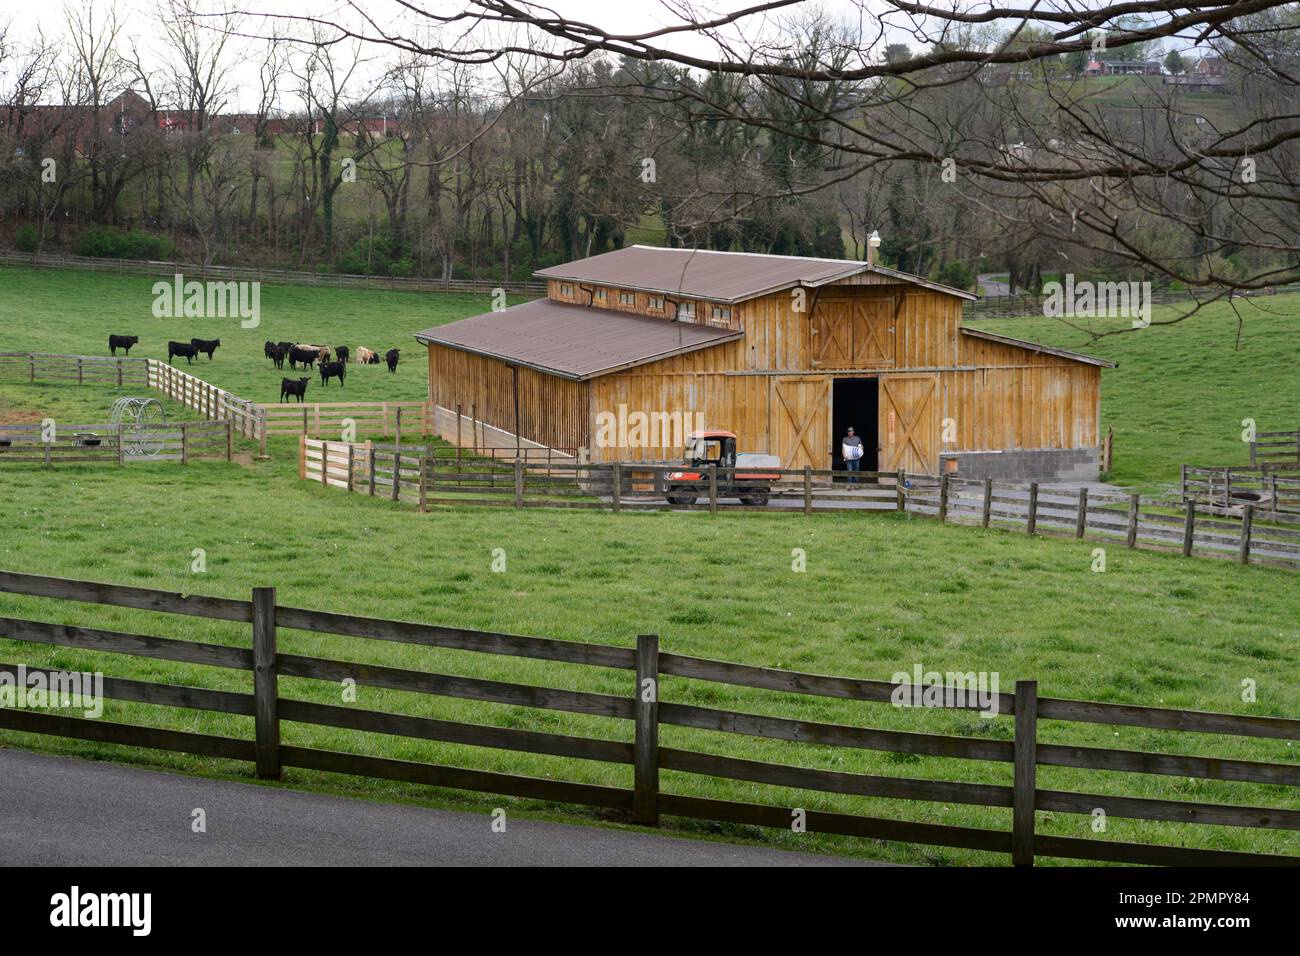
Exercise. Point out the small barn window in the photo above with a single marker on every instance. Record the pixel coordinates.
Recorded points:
(657, 303)
(686, 310)
(566, 291)
(599, 295)
(627, 298)
(720, 313)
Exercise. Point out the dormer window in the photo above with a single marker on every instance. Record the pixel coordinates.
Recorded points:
(719, 313)
(686, 311)
(599, 295)
(656, 303)
(627, 298)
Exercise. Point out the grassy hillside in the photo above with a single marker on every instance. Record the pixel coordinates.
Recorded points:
(1181, 391)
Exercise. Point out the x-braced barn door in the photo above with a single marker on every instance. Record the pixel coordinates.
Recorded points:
(853, 332)
(800, 419)
(909, 423)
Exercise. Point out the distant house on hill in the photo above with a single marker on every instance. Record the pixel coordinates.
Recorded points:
(1212, 66)
(1123, 68)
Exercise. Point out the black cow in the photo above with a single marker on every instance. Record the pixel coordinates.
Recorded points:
(116, 342)
(287, 346)
(343, 353)
(267, 347)
(298, 387)
(206, 345)
(277, 356)
(391, 358)
(191, 352)
(307, 357)
(330, 370)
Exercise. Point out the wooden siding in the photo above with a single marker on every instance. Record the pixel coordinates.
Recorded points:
(552, 410)
(640, 304)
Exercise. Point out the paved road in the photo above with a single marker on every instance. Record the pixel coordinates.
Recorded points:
(990, 286)
(69, 812)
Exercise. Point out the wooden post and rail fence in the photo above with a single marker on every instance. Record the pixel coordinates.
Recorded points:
(647, 707)
(253, 420)
(117, 443)
(429, 476)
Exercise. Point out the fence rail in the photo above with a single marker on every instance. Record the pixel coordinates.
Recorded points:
(81, 369)
(1229, 490)
(1030, 304)
(208, 400)
(427, 476)
(389, 419)
(252, 420)
(647, 708)
(262, 274)
(120, 443)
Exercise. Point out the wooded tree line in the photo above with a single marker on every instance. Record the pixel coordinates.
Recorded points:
(979, 144)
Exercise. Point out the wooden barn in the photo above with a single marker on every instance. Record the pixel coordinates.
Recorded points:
(633, 346)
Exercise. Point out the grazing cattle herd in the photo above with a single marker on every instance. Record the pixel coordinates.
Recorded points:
(331, 363)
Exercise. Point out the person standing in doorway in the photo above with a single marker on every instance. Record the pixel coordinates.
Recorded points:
(851, 451)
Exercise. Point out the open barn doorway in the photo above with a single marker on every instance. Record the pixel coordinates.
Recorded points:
(855, 403)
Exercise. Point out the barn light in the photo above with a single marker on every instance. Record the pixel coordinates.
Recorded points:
(872, 245)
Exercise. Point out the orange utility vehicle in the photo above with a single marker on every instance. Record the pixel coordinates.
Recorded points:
(748, 477)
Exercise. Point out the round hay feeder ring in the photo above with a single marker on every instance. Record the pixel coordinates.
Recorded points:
(136, 415)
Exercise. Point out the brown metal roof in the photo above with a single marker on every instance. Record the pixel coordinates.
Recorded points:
(573, 341)
(717, 276)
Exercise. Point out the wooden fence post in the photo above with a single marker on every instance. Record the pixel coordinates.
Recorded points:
(713, 489)
(1025, 753)
(370, 466)
(1081, 516)
(324, 462)
(1132, 521)
(262, 425)
(351, 459)
(265, 685)
(1189, 527)
(1032, 524)
(943, 497)
(899, 491)
(121, 450)
(397, 431)
(645, 789)
(519, 481)
(302, 457)
(1247, 523)
(230, 440)
(807, 489)
(424, 481)
(185, 443)
(988, 503)
(616, 486)
(397, 473)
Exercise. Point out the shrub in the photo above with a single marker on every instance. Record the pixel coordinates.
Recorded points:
(378, 255)
(26, 238)
(106, 243)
